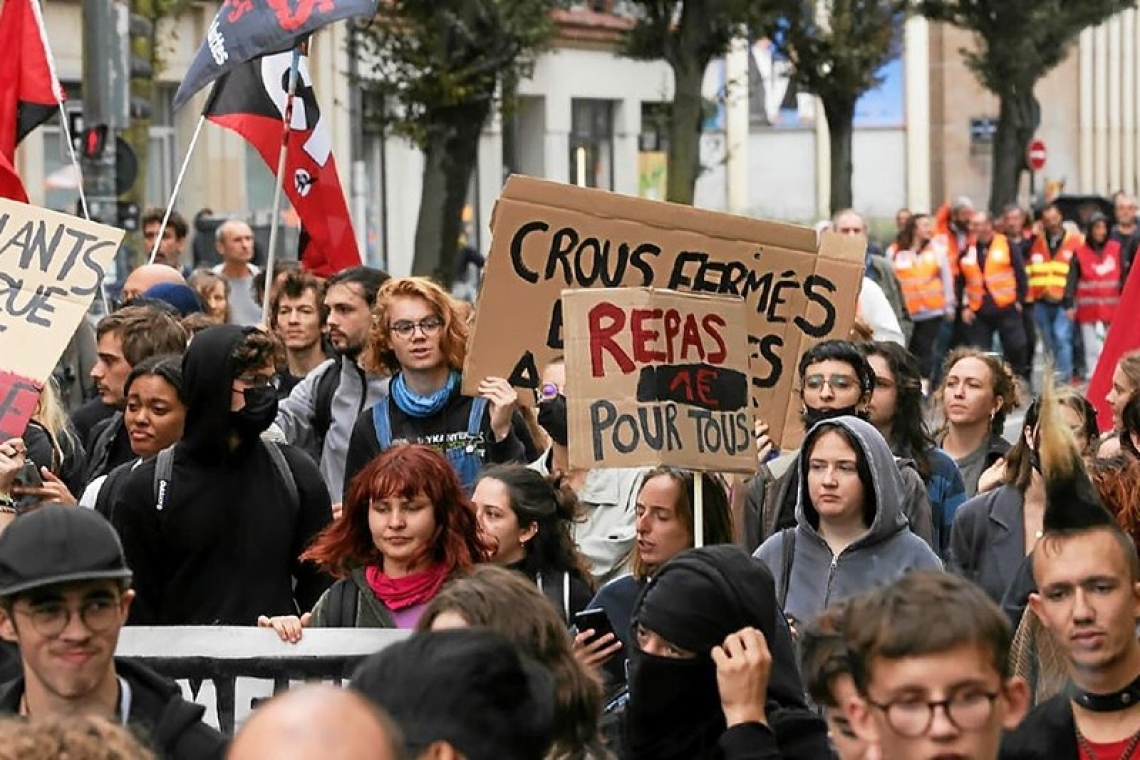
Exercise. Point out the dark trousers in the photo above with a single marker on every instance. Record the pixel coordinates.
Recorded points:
(1008, 324)
(1030, 323)
(922, 343)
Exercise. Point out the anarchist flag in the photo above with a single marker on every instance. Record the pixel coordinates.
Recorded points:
(250, 100)
(243, 30)
(29, 90)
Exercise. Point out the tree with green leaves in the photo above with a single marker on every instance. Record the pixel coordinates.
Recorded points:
(838, 50)
(688, 35)
(444, 65)
(1017, 43)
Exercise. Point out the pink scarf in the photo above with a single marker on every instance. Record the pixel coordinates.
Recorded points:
(401, 593)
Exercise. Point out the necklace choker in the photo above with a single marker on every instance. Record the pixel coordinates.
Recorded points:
(1114, 701)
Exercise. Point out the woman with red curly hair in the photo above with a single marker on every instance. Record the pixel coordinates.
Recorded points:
(419, 338)
(406, 528)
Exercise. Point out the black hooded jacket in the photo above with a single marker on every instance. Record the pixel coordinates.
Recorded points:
(158, 715)
(695, 601)
(225, 547)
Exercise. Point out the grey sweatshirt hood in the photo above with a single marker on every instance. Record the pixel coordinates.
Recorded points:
(888, 490)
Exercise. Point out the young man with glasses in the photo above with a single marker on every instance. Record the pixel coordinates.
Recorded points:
(835, 380)
(64, 596)
(213, 527)
(420, 339)
(929, 655)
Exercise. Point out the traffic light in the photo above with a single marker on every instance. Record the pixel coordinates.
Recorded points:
(94, 142)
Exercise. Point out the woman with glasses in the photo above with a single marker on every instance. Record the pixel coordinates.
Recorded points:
(527, 517)
(978, 390)
(419, 339)
(850, 533)
(405, 530)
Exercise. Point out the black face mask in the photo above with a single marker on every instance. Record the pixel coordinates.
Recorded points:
(811, 416)
(258, 414)
(674, 707)
(552, 418)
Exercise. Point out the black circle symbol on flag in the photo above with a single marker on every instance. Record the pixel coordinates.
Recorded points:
(303, 181)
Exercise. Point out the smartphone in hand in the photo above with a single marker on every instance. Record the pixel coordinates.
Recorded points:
(596, 620)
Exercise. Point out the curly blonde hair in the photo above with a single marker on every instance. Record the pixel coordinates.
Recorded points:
(379, 358)
(78, 736)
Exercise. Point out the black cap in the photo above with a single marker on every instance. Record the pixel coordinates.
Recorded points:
(468, 687)
(59, 544)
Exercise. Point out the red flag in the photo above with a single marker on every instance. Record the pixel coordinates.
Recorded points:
(250, 100)
(29, 90)
(1123, 336)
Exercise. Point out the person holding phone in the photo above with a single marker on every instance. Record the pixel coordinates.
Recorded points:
(664, 529)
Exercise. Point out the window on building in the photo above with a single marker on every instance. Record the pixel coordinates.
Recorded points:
(592, 143)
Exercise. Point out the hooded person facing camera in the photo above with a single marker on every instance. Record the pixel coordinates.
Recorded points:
(713, 672)
(65, 590)
(462, 694)
(213, 527)
(850, 534)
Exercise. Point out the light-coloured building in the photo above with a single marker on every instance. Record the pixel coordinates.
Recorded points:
(589, 116)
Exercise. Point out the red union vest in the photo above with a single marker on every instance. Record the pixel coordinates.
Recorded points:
(1098, 290)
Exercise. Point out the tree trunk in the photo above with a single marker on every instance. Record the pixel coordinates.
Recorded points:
(450, 154)
(685, 124)
(840, 127)
(1018, 117)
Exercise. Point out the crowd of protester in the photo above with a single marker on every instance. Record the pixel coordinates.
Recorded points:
(906, 583)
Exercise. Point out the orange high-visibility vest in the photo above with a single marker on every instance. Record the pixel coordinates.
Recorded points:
(1048, 272)
(997, 277)
(920, 275)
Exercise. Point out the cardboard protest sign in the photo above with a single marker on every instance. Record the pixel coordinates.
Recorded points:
(51, 266)
(546, 237)
(655, 377)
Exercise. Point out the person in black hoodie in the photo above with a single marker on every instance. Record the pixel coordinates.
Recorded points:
(64, 596)
(217, 540)
(419, 338)
(706, 628)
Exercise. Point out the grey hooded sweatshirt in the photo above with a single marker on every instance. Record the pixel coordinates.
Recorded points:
(888, 548)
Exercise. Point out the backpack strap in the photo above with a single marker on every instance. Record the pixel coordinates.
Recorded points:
(323, 400)
(163, 473)
(286, 472)
(343, 600)
(382, 421)
(475, 418)
(787, 557)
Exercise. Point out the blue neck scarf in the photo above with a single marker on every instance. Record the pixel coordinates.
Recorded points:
(414, 405)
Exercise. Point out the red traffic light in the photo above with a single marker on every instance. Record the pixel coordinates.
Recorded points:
(94, 142)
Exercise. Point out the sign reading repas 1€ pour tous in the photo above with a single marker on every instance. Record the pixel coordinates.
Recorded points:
(656, 377)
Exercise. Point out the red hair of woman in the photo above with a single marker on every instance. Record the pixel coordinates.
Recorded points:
(406, 471)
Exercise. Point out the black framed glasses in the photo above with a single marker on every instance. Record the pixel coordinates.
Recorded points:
(912, 718)
(405, 328)
(50, 619)
(837, 382)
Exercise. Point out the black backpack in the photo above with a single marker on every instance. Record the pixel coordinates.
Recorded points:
(322, 409)
(164, 473)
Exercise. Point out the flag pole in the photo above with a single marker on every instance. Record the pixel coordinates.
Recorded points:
(82, 195)
(177, 188)
(275, 221)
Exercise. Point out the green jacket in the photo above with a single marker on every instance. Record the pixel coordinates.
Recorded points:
(370, 611)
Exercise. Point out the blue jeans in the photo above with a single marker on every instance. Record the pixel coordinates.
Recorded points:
(1056, 331)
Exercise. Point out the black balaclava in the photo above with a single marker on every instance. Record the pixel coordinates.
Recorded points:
(694, 601)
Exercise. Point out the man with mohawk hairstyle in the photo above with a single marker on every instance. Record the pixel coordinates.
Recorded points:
(1088, 578)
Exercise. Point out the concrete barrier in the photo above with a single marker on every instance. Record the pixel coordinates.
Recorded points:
(220, 656)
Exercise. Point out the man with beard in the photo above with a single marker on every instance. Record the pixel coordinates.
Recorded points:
(1088, 595)
(319, 413)
(213, 527)
(835, 379)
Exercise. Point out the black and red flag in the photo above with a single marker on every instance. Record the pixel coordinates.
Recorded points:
(29, 90)
(244, 29)
(250, 100)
